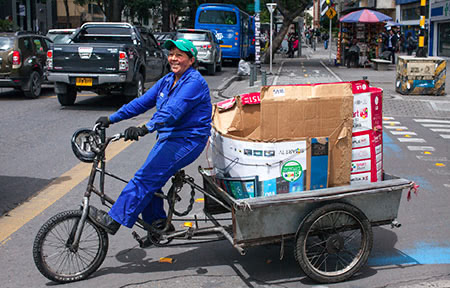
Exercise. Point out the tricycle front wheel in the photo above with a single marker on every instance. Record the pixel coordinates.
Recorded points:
(333, 242)
(53, 253)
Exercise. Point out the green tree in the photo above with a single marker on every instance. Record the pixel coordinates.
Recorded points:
(289, 9)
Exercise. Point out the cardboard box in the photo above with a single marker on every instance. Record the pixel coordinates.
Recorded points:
(367, 136)
(291, 131)
(311, 111)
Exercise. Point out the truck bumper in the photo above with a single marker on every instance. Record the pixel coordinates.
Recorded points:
(98, 79)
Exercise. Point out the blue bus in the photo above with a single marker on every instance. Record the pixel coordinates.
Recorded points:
(229, 24)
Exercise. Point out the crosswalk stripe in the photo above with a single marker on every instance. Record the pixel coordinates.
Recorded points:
(432, 158)
(440, 130)
(421, 148)
(439, 171)
(432, 121)
(402, 133)
(388, 118)
(436, 125)
(396, 127)
(445, 136)
(391, 122)
(416, 140)
(447, 185)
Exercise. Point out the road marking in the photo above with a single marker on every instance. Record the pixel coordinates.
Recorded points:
(447, 185)
(436, 125)
(391, 123)
(416, 140)
(396, 127)
(332, 73)
(402, 133)
(445, 136)
(440, 130)
(439, 172)
(278, 74)
(59, 187)
(432, 158)
(421, 148)
(388, 118)
(432, 121)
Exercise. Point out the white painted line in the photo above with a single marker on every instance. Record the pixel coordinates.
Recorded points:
(403, 133)
(445, 136)
(432, 121)
(421, 148)
(436, 125)
(396, 127)
(391, 122)
(332, 73)
(432, 158)
(278, 74)
(440, 130)
(439, 171)
(388, 118)
(447, 185)
(414, 140)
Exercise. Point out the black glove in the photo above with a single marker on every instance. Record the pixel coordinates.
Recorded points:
(133, 133)
(103, 121)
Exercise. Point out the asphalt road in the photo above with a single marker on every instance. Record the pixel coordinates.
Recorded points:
(36, 152)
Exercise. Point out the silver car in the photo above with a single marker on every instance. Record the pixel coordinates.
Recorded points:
(209, 51)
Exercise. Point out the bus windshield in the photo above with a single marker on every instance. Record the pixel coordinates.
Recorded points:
(217, 17)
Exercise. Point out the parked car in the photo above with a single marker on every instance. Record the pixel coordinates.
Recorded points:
(162, 37)
(105, 57)
(209, 51)
(60, 36)
(23, 61)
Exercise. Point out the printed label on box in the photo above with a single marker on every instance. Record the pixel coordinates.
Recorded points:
(360, 141)
(378, 149)
(380, 175)
(360, 178)
(361, 153)
(361, 166)
(379, 165)
(379, 157)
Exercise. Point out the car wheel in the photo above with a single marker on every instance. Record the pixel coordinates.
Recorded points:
(211, 68)
(69, 97)
(219, 66)
(34, 85)
(137, 89)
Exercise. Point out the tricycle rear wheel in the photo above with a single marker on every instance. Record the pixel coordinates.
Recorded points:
(333, 242)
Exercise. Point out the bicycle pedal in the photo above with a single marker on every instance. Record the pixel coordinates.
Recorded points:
(144, 242)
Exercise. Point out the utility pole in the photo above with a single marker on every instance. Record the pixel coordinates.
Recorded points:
(421, 52)
(257, 34)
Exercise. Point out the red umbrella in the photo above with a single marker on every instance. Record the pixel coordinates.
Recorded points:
(365, 16)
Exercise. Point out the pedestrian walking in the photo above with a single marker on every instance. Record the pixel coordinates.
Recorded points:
(411, 43)
(325, 38)
(391, 43)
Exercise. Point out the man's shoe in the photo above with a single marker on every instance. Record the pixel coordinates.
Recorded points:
(160, 224)
(103, 220)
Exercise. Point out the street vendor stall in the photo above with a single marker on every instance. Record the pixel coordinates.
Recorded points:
(366, 26)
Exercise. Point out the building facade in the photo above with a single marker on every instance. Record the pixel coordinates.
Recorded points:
(439, 29)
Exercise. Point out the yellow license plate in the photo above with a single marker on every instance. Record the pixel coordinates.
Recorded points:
(84, 81)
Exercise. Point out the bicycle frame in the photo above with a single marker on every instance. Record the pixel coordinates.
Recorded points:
(178, 180)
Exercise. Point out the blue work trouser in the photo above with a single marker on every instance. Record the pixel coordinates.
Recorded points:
(166, 158)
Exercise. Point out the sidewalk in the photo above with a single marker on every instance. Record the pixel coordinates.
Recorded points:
(315, 67)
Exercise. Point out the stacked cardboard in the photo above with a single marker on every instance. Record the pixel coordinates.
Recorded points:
(285, 139)
(367, 137)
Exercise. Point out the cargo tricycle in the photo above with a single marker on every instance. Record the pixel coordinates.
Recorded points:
(331, 228)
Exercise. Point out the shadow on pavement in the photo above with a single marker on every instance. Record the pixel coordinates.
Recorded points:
(251, 268)
(16, 190)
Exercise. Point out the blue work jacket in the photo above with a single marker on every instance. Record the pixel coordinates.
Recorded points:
(183, 110)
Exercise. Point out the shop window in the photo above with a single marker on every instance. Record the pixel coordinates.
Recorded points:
(444, 39)
(412, 11)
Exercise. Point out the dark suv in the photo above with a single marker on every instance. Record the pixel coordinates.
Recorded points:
(22, 61)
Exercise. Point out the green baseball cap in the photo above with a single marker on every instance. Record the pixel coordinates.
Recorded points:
(182, 44)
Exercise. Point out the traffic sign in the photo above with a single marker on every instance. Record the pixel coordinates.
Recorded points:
(331, 13)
